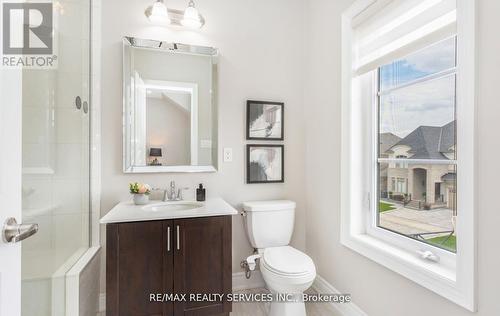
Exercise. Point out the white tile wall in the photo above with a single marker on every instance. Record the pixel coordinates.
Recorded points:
(69, 86)
(37, 192)
(41, 291)
(68, 197)
(69, 125)
(67, 232)
(41, 240)
(69, 161)
(72, 52)
(43, 95)
(37, 125)
(74, 10)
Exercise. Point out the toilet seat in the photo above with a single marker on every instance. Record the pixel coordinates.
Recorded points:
(287, 261)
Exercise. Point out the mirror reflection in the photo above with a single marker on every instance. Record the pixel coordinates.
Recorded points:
(169, 107)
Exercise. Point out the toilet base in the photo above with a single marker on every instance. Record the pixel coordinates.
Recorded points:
(287, 309)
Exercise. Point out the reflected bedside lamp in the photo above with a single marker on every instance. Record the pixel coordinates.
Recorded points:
(155, 152)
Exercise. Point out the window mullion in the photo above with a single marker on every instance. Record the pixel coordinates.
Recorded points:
(417, 161)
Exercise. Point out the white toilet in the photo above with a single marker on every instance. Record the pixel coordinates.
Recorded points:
(285, 269)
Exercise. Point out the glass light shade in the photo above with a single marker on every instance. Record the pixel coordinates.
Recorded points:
(191, 18)
(159, 14)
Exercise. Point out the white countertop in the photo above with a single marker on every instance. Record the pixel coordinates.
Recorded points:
(129, 212)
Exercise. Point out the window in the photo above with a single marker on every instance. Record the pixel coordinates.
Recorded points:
(416, 107)
(401, 164)
(408, 111)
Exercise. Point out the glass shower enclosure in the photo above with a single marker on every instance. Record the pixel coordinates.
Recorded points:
(56, 164)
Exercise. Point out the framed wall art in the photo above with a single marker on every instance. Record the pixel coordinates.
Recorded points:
(265, 163)
(265, 120)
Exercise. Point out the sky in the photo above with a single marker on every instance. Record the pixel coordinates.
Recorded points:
(430, 103)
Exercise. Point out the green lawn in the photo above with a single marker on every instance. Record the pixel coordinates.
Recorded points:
(384, 207)
(450, 244)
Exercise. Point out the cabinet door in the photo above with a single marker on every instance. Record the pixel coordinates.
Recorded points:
(139, 263)
(202, 264)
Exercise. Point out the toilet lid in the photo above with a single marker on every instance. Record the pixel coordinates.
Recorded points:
(288, 260)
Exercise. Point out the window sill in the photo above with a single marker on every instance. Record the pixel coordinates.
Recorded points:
(435, 277)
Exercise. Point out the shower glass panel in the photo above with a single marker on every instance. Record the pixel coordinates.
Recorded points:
(56, 164)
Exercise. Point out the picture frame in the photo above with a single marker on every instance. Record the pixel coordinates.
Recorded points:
(265, 120)
(265, 163)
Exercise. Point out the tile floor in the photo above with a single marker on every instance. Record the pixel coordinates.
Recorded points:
(260, 309)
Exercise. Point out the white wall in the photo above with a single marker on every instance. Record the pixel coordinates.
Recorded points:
(261, 58)
(377, 290)
(168, 127)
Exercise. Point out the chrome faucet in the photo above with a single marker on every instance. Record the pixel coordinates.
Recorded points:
(173, 194)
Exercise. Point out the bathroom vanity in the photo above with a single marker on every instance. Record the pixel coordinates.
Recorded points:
(180, 247)
(168, 248)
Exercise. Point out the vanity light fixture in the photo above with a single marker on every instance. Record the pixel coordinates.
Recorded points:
(191, 16)
(157, 13)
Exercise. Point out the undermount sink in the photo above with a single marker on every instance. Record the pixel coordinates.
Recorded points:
(173, 206)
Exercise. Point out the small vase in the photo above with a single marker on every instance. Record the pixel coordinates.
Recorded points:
(141, 199)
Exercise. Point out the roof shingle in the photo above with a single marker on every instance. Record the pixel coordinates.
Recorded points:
(429, 142)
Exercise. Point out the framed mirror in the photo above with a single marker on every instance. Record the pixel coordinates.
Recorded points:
(169, 107)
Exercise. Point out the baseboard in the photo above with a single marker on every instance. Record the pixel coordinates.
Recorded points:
(320, 285)
(102, 302)
(240, 282)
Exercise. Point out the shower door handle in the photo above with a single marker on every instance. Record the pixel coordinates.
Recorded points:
(14, 232)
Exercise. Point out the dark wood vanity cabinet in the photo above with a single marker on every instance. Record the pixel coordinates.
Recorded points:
(138, 263)
(181, 256)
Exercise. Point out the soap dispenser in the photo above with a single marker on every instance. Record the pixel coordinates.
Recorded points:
(200, 193)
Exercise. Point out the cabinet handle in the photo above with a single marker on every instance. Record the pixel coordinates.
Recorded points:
(178, 239)
(168, 238)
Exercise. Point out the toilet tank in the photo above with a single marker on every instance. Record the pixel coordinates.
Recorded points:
(269, 223)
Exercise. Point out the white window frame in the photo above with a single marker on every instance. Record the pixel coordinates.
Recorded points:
(454, 277)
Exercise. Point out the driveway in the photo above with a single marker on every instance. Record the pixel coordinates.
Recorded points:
(409, 221)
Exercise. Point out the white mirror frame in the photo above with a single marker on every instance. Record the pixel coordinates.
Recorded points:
(128, 167)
